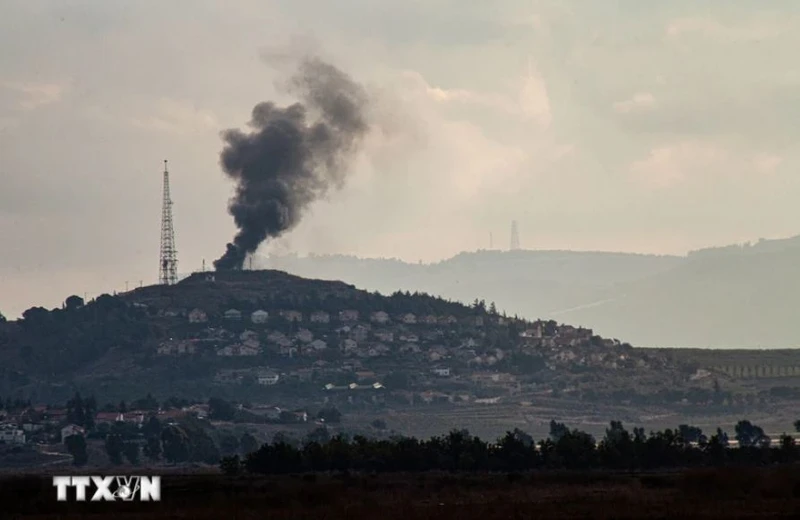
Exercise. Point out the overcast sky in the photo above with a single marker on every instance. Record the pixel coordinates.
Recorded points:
(628, 125)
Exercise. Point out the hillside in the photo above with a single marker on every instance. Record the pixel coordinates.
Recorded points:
(727, 297)
(277, 341)
(201, 337)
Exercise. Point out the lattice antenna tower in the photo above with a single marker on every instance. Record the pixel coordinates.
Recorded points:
(514, 236)
(168, 265)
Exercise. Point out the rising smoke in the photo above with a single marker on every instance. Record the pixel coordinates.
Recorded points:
(292, 156)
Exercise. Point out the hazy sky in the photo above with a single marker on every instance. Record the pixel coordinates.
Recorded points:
(627, 125)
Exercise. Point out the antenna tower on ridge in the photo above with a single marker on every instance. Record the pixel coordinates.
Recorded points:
(514, 236)
(168, 265)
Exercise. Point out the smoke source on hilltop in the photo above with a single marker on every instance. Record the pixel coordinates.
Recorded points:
(292, 156)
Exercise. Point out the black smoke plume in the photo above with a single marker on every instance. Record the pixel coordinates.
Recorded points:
(292, 156)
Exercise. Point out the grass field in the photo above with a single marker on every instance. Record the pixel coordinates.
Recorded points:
(719, 493)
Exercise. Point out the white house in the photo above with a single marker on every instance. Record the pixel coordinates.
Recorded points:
(292, 315)
(259, 316)
(408, 318)
(349, 345)
(384, 335)
(318, 344)
(379, 317)
(277, 337)
(430, 319)
(248, 334)
(268, 378)
(12, 436)
(238, 350)
(359, 333)
(441, 372)
(320, 317)
(348, 315)
(304, 335)
(198, 316)
(71, 429)
(233, 315)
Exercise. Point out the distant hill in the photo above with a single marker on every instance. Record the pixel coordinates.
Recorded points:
(529, 283)
(734, 296)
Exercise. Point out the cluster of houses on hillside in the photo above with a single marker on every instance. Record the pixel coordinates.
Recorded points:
(41, 424)
(440, 347)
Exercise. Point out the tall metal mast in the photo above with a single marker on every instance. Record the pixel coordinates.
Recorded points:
(168, 266)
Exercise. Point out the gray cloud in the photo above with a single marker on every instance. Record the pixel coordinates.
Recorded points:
(653, 126)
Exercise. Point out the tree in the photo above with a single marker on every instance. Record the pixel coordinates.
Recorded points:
(228, 444)
(248, 443)
(557, 430)
(230, 466)
(73, 303)
(379, 424)
(76, 445)
(152, 428)
(2, 318)
(131, 450)
(115, 447)
(175, 444)
(749, 434)
(220, 410)
(146, 403)
(152, 449)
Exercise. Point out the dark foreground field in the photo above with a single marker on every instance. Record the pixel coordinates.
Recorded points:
(719, 493)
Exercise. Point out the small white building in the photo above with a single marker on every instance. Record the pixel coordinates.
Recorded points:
(238, 350)
(408, 318)
(233, 315)
(379, 317)
(268, 378)
(71, 429)
(304, 335)
(320, 317)
(348, 315)
(12, 436)
(260, 316)
(441, 372)
(198, 316)
(318, 344)
(384, 335)
(292, 315)
(349, 345)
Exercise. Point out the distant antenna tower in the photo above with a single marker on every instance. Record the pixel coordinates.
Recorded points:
(514, 236)
(168, 266)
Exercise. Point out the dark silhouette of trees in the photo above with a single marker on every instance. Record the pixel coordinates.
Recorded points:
(175, 444)
(515, 451)
(248, 443)
(749, 434)
(73, 303)
(115, 446)
(152, 450)
(76, 446)
(131, 451)
(220, 410)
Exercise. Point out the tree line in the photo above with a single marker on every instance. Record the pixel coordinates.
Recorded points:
(565, 448)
